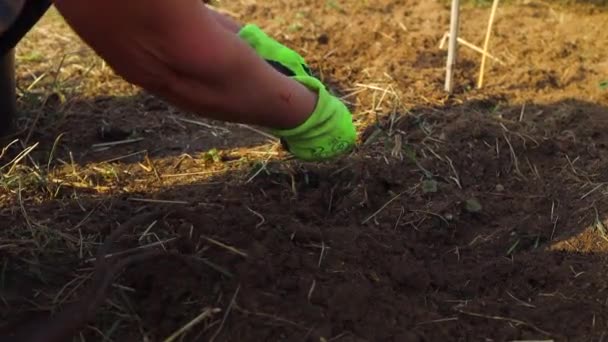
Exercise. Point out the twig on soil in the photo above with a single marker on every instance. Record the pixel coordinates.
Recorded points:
(262, 168)
(29, 156)
(262, 219)
(260, 132)
(507, 319)
(229, 248)
(575, 273)
(147, 200)
(401, 213)
(383, 207)
(470, 46)
(145, 233)
(215, 267)
(26, 217)
(52, 153)
(449, 319)
(86, 217)
(8, 246)
(554, 218)
(269, 316)
(5, 148)
(373, 87)
(521, 302)
(533, 168)
(432, 214)
(322, 254)
(554, 227)
(228, 310)
(571, 163)
(123, 157)
(18, 158)
(189, 174)
(199, 123)
(385, 91)
(81, 280)
(396, 152)
(116, 143)
(455, 178)
(599, 225)
(104, 337)
(514, 156)
(352, 93)
(207, 312)
(593, 190)
(45, 101)
(312, 289)
(135, 249)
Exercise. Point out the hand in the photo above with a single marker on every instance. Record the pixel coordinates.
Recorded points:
(328, 133)
(282, 58)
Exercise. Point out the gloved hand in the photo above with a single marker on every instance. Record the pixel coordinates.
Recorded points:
(329, 131)
(284, 59)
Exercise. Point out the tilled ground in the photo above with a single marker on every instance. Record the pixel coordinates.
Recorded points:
(480, 216)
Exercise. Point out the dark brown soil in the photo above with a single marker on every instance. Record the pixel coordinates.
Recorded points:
(476, 217)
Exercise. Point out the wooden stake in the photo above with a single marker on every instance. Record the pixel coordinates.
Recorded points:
(486, 44)
(453, 46)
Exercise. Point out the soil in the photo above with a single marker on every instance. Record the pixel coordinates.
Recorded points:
(479, 216)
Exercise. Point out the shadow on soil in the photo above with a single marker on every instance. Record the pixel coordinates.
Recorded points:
(107, 127)
(475, 225)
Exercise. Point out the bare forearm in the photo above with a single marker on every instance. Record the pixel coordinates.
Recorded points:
(179, 51)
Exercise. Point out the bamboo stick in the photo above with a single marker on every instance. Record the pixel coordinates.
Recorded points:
(486, 44)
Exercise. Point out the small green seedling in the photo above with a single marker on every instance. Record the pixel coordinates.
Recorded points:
(213, 155)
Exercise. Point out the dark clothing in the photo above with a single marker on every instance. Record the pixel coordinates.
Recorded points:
(17, 17)
(9, 11)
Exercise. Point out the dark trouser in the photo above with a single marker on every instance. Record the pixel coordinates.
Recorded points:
(32, 11)
(8, 98)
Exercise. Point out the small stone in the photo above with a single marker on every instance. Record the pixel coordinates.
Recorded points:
(473, 206)
(500, 187)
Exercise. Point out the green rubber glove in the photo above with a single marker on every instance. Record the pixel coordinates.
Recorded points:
(328, 133)
(277, 54)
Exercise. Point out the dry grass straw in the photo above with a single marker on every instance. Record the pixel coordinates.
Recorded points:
(510, 320)
(207, 313)
(472, 47)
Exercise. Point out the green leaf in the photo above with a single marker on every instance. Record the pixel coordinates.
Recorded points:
(604, 85)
